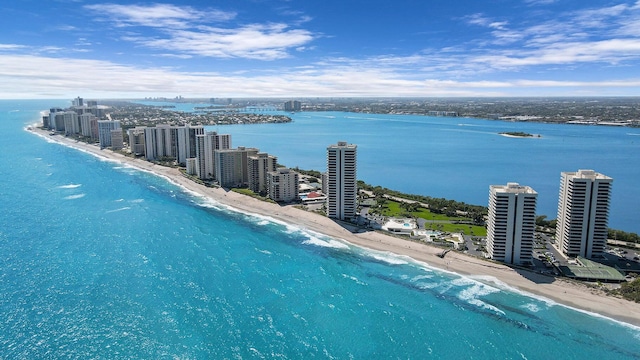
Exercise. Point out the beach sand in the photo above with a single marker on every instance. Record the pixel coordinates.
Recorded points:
(562, 291)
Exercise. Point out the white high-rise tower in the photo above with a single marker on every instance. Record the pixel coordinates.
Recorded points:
(583, 213)
(342, 187)
(511, 223)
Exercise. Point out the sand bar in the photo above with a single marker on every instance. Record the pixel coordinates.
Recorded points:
(559, 290)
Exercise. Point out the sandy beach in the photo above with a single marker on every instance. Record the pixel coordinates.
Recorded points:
(558, 290)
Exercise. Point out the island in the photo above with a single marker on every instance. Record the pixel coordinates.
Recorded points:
(518, 134)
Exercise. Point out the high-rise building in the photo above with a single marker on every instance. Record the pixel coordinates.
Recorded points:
(78, 101)
(104, 131)
(259, 166)
(511, 223)
(61, 120)
(342, 187)
(283, 185)
(85, 125)
(136, 140)
(71, 122)
(206, 145)
(187, 142)
(583, 213)
(161, 141)
(117, 139)
(232, 166)
(292, 105)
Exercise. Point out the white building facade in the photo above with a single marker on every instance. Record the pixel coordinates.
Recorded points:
(104, 131)
(258, 168)
(583, 213)
(511, 223)
(342, 187)
(205, 147)
(87, 126)
(283, 185)
(160, 142)
(187, 142)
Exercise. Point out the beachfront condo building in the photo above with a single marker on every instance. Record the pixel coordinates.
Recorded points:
(283, 185)
(71, 122)
(511, 223)
(160, 142)
(104, 131)
(136, 140)
(88, 125)
(232, 166)
(117, 139)
(342, 187)
(259, 166)
(206, 145)
(583, 213)
(187, 142)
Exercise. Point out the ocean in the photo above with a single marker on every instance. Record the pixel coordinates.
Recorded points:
(99, 260)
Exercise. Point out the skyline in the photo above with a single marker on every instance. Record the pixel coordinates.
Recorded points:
(329, 49)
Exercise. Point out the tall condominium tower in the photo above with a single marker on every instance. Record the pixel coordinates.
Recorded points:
(511, 223)
(232, 166)
(104, 131)
(187, 142)
(342, 194)
(583, 213)
(160, 141)
(258, 168)
(205, 147)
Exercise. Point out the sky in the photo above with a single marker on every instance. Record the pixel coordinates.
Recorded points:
(319, 48)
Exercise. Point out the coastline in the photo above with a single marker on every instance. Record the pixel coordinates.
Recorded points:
(561, 291)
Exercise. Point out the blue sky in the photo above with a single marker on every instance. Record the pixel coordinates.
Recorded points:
(328, 48)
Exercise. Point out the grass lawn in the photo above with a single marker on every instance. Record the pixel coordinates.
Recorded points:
(393, 209)
(473, 230)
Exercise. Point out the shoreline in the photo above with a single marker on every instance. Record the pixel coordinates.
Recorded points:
(560, 291)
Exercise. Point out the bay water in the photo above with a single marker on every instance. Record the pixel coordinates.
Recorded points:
(98, 260)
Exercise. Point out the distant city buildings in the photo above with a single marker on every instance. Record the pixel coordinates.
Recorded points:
(511, 223)
(583, 213)
(292, 105)
(341, 187)
(79, 119)
(442, 113)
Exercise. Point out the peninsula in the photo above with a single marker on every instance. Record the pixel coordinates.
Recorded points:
(557, 290)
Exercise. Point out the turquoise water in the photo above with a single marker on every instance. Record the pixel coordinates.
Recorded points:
(103, 261)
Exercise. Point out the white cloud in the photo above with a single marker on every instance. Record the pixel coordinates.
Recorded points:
(184, 31)
(45, 77)
(158, 15)
(7, 47)
(262, 42)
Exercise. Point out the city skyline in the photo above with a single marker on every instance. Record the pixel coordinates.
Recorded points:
(339, 49)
